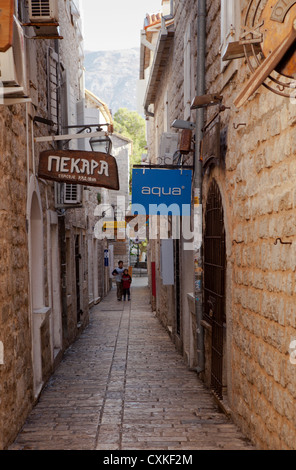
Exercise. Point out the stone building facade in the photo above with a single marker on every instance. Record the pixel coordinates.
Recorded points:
(49, 277)
(162, 74)
(248, 198)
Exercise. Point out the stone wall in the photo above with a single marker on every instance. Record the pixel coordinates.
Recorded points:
(19, 157)
(168, 106)
(257, 181)
(256, 178)
(15, 373)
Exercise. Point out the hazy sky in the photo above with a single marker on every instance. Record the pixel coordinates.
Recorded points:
(114, 24)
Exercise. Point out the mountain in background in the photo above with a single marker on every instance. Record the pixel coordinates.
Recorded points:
(112, 76)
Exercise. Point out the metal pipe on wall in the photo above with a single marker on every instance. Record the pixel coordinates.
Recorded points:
(200, 90)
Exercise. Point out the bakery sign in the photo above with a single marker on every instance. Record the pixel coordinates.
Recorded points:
(79, 167)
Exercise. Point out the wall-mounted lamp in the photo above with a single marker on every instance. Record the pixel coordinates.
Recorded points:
(99, 140)
(179, 124)
(204, 101)
(101, 143)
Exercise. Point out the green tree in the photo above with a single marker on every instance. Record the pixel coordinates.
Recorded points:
(131, 125)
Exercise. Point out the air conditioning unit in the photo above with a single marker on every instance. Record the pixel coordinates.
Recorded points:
(43, 11)
(44, 18)
(68, 195)
(13, 66)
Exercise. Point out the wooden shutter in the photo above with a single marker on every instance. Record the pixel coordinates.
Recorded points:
(53, 83)
(68, 107)
(69, 193)
(72, 193)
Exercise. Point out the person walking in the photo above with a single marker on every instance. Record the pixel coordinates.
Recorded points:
(126, 284)
(118, 277)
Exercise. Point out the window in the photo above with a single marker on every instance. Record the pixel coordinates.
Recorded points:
(72, 193)
(67, 194)
(19, 10)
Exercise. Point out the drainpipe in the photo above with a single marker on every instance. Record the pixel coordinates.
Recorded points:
(200, 90)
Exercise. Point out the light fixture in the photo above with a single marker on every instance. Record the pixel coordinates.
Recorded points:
(99, 140)
(178, 124)
(101, 143)
(204, 101)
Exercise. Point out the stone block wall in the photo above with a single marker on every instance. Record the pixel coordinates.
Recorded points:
(16, 166)
(18, 160)
(168, 106)
(15, 372)
(257, 181)
(256, 178)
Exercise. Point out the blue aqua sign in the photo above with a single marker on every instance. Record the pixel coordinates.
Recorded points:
(161, 191)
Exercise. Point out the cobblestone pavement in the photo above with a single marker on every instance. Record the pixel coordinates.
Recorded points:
(123, 386)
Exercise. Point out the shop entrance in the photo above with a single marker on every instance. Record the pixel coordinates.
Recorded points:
(77, 276)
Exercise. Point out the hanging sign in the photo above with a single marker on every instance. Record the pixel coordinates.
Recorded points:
(79, 167)
(161, 191)
(6, 24)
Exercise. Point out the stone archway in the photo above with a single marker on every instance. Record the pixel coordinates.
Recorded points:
(39, 313)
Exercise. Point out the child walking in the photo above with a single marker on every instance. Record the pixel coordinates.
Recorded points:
(126, 284)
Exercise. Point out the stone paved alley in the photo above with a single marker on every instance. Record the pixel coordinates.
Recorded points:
(123, 386)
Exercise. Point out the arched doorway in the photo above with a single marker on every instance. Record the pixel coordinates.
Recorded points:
(36, 250)
(39, 313)
(214, 286)
(37, 290)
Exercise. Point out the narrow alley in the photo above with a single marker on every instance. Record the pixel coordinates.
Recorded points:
(123, 386)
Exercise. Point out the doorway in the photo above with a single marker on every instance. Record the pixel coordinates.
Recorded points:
(77, 278)
(177, 286)
(55, 290)
(214, 286)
